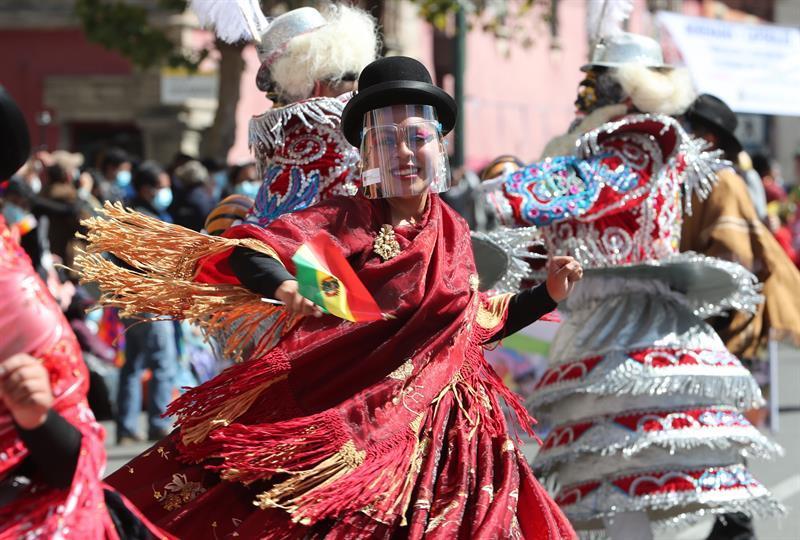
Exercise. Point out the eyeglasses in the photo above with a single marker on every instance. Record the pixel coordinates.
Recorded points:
(415, 135)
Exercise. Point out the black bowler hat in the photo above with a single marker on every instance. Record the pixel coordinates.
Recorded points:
(715, 114)
(395, 80)
(15, 142)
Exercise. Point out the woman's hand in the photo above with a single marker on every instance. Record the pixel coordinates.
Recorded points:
(562, 274)
(25, 390)
(295, 303)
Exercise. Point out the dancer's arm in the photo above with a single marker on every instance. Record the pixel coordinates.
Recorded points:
(52, 442)
(530, 305)
(266, 276)
(54, 448)
(258, 272)
(524, 308)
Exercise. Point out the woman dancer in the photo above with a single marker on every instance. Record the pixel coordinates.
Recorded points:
(341, 430)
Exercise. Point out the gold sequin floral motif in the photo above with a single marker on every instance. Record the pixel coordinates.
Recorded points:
(178, 492)
(386, 245)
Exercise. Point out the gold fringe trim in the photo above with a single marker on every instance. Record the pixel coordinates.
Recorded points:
(287, 494)
(230, 411)
(164, 259)
(490, 313)
(155, 246)
(421, 447)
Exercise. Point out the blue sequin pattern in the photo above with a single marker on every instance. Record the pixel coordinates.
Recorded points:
(559, 188)
(301, 193)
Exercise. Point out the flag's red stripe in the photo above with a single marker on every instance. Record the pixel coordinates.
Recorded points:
(361, 303)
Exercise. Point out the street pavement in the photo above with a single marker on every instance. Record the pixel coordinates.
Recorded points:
(781, 476)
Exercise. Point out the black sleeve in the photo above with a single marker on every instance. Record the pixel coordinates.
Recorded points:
(51, 207)
(525, 308)
(128, 525)
(258, 272)
(54, 449)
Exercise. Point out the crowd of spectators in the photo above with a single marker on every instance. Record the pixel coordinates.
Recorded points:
(131, 364)
(782, 217)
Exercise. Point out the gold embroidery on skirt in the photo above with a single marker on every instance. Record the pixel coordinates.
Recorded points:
(403, 372)
(286, 494)
(178, 492)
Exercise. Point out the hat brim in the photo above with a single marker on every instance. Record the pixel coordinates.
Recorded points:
(726, 138)
(612, 65)
(396, 93)
(732, 142)
(491, 261)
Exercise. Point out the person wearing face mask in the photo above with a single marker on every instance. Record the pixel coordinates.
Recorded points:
(152, 191)
(115, 168)
(243, 180)
(31, 230)
(195, 199)
(384, 429)
(218, 172)
(147, 346)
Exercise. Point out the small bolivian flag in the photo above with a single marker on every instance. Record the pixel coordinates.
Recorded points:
(326, 278)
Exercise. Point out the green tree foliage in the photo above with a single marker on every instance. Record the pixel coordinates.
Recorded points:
(506, 19)
(125, 28)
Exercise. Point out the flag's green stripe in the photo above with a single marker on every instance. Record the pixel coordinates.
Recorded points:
(308, 285)
(304, 255)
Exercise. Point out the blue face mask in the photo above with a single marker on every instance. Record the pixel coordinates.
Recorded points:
(13, 213)
(123, 178)
(163, 199)
(220, 181)
(248, 188)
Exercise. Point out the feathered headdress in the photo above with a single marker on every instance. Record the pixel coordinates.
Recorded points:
(232, 20)
(606, 18)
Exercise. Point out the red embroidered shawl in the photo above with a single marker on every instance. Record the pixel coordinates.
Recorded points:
(370, 427)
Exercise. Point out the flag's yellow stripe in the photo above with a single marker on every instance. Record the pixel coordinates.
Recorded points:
(337, 303)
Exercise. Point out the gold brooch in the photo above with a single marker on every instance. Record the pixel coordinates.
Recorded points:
(386, 245)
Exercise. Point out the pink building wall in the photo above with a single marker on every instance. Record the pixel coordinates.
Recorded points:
(516, 103)
(30, 56)
(252, 102)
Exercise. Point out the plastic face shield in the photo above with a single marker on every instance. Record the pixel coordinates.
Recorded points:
(403, 152)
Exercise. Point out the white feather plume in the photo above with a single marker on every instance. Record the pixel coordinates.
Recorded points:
(232, 20)
(605, 17)
(344, 45)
